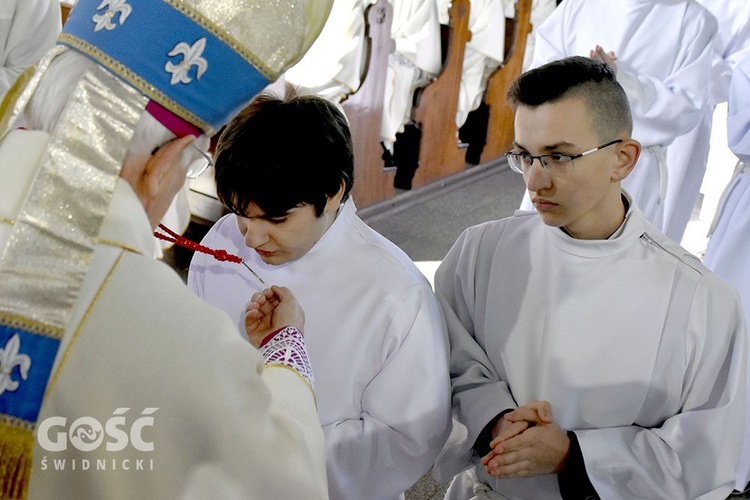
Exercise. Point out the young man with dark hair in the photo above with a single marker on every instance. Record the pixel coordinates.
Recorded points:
(591, 357)
(374, 329)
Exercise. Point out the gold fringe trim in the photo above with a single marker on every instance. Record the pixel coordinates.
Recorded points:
(16, 458)
(17, 321)
(12, 222)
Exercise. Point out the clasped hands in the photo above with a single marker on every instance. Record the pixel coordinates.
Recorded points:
(527, 442)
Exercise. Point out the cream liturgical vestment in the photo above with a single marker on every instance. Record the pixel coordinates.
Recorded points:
(664, 52)
(639, 349)
(131, 412)
(728, 252)
(377, 344)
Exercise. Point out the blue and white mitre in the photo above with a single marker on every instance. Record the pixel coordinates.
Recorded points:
(195, 62)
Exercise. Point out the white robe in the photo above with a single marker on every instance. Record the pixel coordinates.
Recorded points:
(688, 154)
(540, 11)
(377, 344)
(416, 60)
(28, 29)
(225, 426)
(639, 349)
(664, 52)
(728, 252)
(335, 64)
(483, 54)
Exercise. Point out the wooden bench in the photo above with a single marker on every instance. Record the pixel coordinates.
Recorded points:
(500, 123)
(436, 106)
(364, 110)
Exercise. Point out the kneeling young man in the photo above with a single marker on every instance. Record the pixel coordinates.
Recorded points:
(374, 330)
(591, 356)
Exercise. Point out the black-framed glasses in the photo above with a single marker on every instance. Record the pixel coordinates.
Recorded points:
(199, 165)
(554, 164)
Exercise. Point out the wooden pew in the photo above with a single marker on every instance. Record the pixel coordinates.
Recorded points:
(436, 105)
(500, 122)
(364, 110)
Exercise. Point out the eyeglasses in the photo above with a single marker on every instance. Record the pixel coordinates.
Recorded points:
(199, 165)
(554, 164)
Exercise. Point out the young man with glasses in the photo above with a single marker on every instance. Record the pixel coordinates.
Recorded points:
(591, 357)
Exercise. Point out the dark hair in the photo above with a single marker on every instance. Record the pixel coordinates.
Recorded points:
(279, 153)
(577, 77)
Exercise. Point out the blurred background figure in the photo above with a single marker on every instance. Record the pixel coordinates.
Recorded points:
(688, 155)
(28, 29)
(728, 252)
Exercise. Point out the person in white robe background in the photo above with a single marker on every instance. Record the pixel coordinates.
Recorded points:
(414, 62)
(662, 52)
(335, 64)
(28, 29)
(728, 252)
(688, 154)
(374, 330)
(591, 357)
(540, 11)
(121, 382)
(484, 52)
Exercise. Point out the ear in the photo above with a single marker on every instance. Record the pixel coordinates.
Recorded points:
(334, 201)
(628, 152)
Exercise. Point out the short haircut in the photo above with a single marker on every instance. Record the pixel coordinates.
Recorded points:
(581, 77)
(280, 153)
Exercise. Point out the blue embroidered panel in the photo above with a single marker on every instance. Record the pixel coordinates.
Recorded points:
(227, 83)
(20, 349)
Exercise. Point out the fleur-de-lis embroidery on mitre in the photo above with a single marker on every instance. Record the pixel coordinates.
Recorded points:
(191, 56)
(9, 358)
(104, 21)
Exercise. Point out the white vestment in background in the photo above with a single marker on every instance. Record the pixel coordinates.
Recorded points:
(377, 344)
(728, 252)
(483, 54)
(540, 11)
(415, 61)
(143, 346)
(664, 52)
(335, 64)
(639, 349)
(28, 29)
(688, 154)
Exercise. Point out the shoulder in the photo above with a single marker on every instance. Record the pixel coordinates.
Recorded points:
(380, 257)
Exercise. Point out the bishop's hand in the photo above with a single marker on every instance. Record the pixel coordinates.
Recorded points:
(271, 310)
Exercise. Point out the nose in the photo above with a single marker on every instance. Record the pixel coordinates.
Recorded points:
(537, 178)
(254, 232)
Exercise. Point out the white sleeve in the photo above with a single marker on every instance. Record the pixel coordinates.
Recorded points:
(33, 31)
(405, 409)
(693, 454)
(665, 109)
(479, 394)
(738, 117)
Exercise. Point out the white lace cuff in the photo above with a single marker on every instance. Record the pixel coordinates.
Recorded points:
(287, 348)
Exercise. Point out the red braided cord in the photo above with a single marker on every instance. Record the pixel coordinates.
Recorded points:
(179, 240)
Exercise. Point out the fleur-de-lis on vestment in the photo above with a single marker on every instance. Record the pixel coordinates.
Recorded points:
(191, 57)
(104, 21)
(9, 358)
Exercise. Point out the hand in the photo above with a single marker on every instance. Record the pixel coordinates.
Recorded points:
(539, 449)
(157, 180)
(608, 58)
(270, 310)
